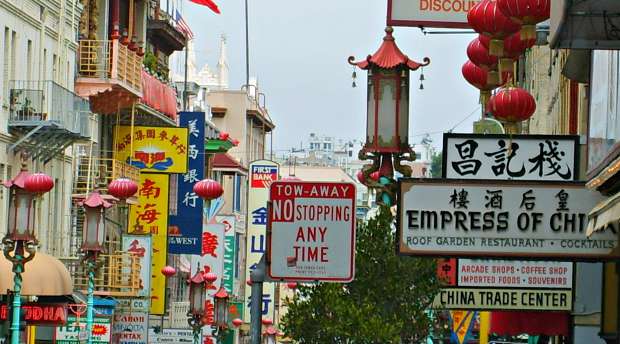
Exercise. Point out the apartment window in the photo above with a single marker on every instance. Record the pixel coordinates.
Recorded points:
(237, 201)
(5, 65)
(44, 63)
(29, 61)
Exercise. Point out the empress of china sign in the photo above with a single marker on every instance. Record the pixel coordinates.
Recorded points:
(500, 219)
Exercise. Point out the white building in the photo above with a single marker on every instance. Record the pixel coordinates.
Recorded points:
(39, 113)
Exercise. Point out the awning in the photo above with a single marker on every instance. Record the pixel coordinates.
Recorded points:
(532, 323)
(584, 24)
(604, 214)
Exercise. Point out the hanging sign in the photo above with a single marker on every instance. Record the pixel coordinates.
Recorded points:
(230, 251)
(504, 299)
(75, 332)
(462, 324)
(262, 174)
(150, 216)
(516, 157)
(312, 231)
(185, 228)
(39, 314)
(500, 219)
(141, 246)
(429, 13)
(131, 327)
(154, 149)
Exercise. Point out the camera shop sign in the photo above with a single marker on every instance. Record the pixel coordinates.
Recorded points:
(500, 219)
(520, 157)
(312, 231)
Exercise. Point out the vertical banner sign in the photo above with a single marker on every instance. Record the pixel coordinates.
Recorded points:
(462, 323)
(228, 274)
(262, 174)
(141, 246)
(154, 149)
(150, 216)
(185, 229)
(211, 259)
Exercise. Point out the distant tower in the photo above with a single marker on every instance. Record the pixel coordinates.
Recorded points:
(222, 65)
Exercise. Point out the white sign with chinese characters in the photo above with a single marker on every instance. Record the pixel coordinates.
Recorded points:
(501, 157)
(262, 174)
(495, 219)
(312, 231)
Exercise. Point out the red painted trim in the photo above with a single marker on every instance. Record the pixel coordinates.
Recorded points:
(573, 108)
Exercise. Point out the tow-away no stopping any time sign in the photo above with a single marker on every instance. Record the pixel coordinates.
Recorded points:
(312, 231)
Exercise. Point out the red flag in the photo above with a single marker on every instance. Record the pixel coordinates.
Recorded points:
(208, 3)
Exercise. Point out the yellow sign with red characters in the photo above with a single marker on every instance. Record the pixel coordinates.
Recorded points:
(150, 216)
(154, 149)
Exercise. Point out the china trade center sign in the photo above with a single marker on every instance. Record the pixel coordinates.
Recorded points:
(485, 218)
(312, 231)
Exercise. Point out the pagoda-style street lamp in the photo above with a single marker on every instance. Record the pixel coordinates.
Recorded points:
(198, 286)
(269, 335)
(220, 300)
(387, 131)
(93, 236)
(20, 242)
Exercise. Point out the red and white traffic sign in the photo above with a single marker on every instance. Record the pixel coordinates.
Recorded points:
(312, 231)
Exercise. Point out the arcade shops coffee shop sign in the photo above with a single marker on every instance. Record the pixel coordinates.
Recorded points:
(485, 218)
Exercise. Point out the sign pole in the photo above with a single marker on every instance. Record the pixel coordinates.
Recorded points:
(257, 276)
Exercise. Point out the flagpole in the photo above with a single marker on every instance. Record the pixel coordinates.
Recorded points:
(247, 49)
(185, 100)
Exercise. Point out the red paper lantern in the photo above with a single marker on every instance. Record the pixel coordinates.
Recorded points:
(237, 322)
(291, 285)
(375, 176)
(208, 189)
(235, 142)
(479, 78)
(360, 177)
(512, 105)
(514, 46)
(38, 183)
(210, 277)
(122, 188)
(526, 13)
(486, 19)
(168, 271)
(249, 282)
(479, 55)
(267, 322)
(224, 136)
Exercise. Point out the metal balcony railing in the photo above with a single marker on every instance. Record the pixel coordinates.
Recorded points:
(91, 168)
(118, 274)
(34, 103)
(109, 59)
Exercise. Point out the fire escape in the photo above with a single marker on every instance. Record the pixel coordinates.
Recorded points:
(46, 118)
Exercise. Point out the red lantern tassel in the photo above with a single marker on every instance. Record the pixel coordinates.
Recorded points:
(496, 47)
(506, 68)
(528, 32)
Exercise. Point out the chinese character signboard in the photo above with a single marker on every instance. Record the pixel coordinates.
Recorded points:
(429, 13)
(150, 216)
(312, 231)
(74, 332)
(185, 229)
(520, 157)
(154, 149)
(499, 219)
(262, 174)
(230, 252)
(211, 259)
(140, 245)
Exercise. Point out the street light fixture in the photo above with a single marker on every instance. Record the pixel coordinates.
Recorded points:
(269, 335)
(20, 242)
(198, 285)
(221, 311)
(387, 130)
(93, 236)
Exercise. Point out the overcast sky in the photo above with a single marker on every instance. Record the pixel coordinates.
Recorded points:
(299, 50)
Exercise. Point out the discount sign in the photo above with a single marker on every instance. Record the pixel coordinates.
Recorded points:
(312, 231)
